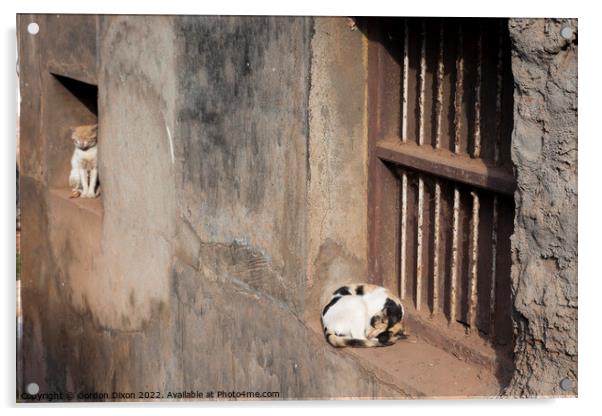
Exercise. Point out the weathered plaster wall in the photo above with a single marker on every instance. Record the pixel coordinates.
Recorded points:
(192, 275)
(240, 143)
(137, 106)
(337, 189)
(44, 133)
(544, 244)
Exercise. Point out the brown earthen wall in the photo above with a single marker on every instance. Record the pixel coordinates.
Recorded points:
(544, 244)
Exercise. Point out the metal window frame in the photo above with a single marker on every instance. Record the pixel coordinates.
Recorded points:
(391, 148)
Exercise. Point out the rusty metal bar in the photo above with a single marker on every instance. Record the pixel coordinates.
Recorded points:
(438, 120)
(459, 87)
(439, 97)
(422, 75)
(436, 246)
(477, 102)
(496, 156)
(474, 246)
(419, 244)
(474, 251)
(404, 179)
(419, 230)
(498, 100)
(492, 294)
(404, 234)
(443, 163)
(406, 67)
(454, 259)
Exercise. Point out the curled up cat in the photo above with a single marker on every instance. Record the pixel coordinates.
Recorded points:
(83, 177)
(363, 315)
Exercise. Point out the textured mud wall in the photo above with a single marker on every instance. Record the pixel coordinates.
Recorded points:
(544, 245)
(191, 273)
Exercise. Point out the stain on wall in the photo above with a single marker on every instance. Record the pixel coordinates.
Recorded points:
(241, 135)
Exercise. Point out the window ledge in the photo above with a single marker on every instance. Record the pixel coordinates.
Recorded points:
(91, 205)
(420, 369)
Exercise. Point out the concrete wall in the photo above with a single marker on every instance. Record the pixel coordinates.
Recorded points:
(338, 150)
(209, 199)
(242, 129)
(44, 137)
(544, 244)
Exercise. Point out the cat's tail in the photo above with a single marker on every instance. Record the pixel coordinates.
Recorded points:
(342, 341)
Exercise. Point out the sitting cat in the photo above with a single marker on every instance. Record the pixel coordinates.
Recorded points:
(83, 178)
(363, 315)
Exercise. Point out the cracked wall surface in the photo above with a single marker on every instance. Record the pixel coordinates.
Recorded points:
(544, 244)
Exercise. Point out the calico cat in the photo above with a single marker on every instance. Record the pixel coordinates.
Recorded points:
(83, 178)
(363, 315)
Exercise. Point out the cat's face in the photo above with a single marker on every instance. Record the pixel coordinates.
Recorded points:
(84, 137)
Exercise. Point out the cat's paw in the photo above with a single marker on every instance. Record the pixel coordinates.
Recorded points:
(75, 194)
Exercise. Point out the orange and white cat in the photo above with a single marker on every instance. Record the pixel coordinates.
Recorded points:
(83, 178)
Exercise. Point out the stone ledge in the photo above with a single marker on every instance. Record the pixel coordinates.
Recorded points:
(91, 205)
(421, 370)
(77, 72)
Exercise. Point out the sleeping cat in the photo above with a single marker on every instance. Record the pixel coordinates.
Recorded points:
(83, 178)
(363, 315)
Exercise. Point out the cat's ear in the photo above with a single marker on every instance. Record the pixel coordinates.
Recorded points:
(94, 128)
